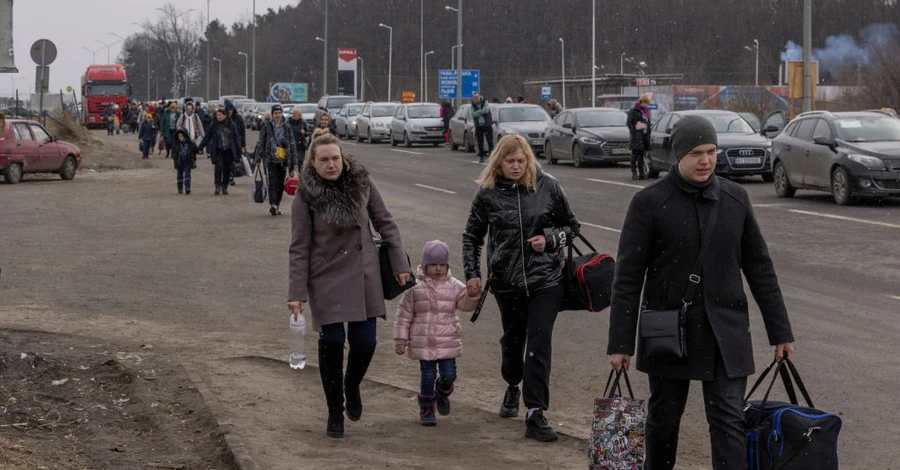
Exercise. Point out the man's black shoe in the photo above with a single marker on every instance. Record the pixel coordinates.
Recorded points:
(510, 406)
(537, 428)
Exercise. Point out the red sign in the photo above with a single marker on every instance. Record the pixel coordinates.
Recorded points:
(347, 54)
(643, 81)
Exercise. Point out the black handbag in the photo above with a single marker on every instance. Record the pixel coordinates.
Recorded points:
(588, 278)
(389, 285)
(662, 331)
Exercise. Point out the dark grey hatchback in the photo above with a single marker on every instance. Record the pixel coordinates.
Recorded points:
(588, 135)
(742, 151)
(849, 154)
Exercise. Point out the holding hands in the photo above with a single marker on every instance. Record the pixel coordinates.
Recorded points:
(473, 287)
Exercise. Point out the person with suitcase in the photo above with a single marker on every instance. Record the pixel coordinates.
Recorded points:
(685, 244)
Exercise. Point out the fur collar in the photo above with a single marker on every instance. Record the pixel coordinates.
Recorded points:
(338, 202)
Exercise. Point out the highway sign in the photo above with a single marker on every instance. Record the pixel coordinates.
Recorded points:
(653, 106)
(471, 83)
(545, 92)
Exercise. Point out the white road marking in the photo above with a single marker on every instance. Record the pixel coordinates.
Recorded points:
(627, 185)
(349, 143)
(601, 227)
(474, 162)
(769, 205)
(434, 189)
(406, 151)
(895, 297)
(841, 217)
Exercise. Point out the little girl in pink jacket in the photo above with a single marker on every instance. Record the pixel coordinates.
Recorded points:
(427, 324)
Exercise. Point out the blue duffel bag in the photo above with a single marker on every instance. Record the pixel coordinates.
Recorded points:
(788, 436)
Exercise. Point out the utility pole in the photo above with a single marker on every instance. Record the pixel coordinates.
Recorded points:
(207, 57)
(362, 79)
(421, 48)
(246, 74)
(807, 56)
(563, 43)
(254, 49)
(459, 56)
(220, 75)
(325, 55)
(593, 53)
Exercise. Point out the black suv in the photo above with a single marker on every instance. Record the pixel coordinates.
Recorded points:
(849, 154)
(742, 151)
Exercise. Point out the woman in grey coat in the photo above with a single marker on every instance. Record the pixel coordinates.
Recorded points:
(334, 266)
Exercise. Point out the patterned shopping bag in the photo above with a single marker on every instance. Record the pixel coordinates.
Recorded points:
(617, 432)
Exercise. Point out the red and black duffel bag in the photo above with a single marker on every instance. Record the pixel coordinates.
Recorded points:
(588, 278)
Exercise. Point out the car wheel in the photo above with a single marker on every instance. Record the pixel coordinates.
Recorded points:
(358, 136)
(783, 186)
(406, 142)
(577, 156)
(840, 187)
(369, 136)
(467, 140)
(549, 153)
(393, 142)
(453, 145)
(68, 169)
(13, 173)
(648, 168)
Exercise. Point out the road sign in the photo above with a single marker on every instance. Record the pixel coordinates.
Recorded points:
(43, 52)
(642, 81)
(69, 89)
(269, 99)
(42, 79)
(545, 92)
(653, 106)
(471, 83)
(408, 96)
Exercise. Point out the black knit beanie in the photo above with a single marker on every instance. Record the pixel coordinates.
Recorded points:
(690, 132)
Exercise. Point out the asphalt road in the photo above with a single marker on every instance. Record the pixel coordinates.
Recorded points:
(118, 253)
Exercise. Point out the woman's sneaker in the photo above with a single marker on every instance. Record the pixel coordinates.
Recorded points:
(510, 406)
(537, 428)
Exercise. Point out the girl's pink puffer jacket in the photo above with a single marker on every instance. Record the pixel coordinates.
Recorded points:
(426, 318)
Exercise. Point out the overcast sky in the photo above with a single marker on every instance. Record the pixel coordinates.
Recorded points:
(73, 24)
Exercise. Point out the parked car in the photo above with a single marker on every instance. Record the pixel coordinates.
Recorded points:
(588, 135)
(332, 104)
(255, 114)
(742, 151)
(26, 147)
(224, 98)
(850, 154)
(751, 119)
(773, 124)
(345, 123)
(529, 120)
(374, 121)
(462, 129)
(308, 112)
(417, 123)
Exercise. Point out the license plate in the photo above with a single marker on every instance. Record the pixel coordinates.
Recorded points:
(536, 142)
(620, 151)
(435, 133)
(747, 161)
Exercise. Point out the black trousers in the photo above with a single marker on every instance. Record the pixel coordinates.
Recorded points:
(481, 133)
(528, 326)
(637, 162)
(277, 172)
(724, 414)
(224, 163)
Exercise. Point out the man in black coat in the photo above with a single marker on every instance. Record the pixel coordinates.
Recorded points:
(238, 121)
(639, 126)
(658, 247)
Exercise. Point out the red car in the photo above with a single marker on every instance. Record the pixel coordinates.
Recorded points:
(26, 147)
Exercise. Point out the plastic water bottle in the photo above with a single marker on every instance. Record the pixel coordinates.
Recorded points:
(297, 358)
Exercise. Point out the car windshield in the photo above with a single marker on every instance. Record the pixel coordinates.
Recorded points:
(335, 104)
(354, 110)
(421, 112)
(384, 110)
(868, 129)
(529, 114)
(730, 124)
(107, 90)
(602, 119)
(307, 108)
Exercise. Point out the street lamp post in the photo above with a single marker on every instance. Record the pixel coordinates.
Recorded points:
(246, 73)
(752, 49)
(177, 54)
(390, 55)
(425, 77)
(324, 64)
(108, 46)
(362, 79)
(563, 43)
(422, 48)
(453, 56)
(593, 53)
(207, 57)
(459, 42)
(220, 75)
(254, 49)
(93, 54)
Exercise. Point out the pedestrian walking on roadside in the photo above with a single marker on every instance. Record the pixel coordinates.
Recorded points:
(447, 113)
(109, 116)
(667, 227)
(168, 126)
(428, 328)
(639, 126)
(222, 142)
(276, 149)
(520, 99)
(157, 120)
(326, 123)
(184, 158)
(554, 108)
(192, 123)
(484, 129)
(301, 133)
(118, 119)
(242, 132)
(146, 135)
(331, 254)
(209, 117)
(526, 216)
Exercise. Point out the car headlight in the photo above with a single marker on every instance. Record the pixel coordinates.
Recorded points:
(353, 122)
(591, 141)
(417, 128)
(871, 163)
(380, 124)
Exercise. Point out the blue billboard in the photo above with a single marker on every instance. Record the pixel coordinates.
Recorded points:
(447, 83)
(288, 92)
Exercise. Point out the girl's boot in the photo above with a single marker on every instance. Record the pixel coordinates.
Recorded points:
(443, 392)
(426, 410)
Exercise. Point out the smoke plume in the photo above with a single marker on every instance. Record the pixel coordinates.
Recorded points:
(843, 49)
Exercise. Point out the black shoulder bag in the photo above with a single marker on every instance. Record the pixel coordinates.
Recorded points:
(662, 331)
(389, 286)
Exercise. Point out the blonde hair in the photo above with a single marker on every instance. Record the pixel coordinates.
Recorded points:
(508, 145)
(645, 98)
(324, 138)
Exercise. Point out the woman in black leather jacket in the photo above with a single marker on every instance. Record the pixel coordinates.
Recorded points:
(527, 218)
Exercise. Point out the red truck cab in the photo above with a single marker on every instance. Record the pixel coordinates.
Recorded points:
(26, 147)
(101, 87)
